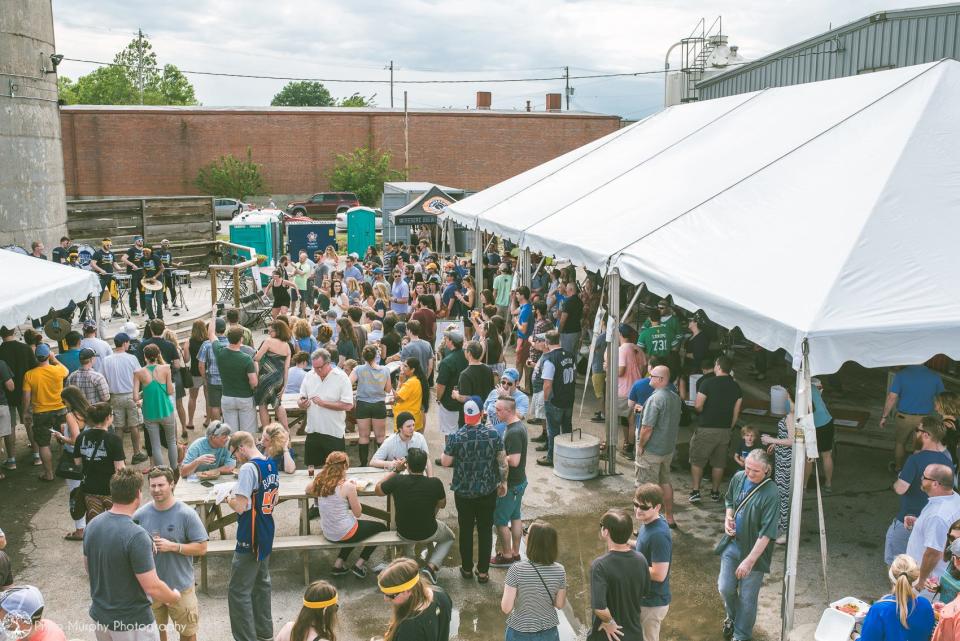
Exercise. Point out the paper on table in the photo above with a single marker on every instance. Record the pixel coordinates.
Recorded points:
(221, 491)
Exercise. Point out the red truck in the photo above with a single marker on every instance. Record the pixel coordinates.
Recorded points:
(325, 205)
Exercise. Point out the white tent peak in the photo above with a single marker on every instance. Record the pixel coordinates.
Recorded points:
(823, 211)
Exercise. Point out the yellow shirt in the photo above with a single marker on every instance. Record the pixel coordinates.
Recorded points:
(408, 399)
(45, 383)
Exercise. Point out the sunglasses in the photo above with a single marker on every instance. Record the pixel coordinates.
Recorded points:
(233, 452)
(927, 478)
(393, 596)
(508, 383)
(642, 506)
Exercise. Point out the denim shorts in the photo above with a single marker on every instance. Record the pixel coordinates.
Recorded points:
(508, 507)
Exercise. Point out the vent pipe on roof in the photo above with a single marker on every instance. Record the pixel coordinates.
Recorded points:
(484, 99)
(553, 102)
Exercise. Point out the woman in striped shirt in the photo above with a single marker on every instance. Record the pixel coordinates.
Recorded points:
(534, 589)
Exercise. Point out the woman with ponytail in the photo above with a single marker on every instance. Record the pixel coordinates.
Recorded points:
(421, 611)
(317, 620)
(902, 615)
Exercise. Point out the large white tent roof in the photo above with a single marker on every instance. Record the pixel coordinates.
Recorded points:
(32, 287)
(826, 211)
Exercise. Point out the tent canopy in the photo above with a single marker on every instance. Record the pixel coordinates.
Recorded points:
(424, 210)
(825, 211)
(34, 287)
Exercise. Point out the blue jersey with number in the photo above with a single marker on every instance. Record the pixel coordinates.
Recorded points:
(255, 526)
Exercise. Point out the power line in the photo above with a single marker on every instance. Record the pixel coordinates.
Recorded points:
(381, 82)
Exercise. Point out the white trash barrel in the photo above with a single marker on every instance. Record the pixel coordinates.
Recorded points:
(692, 385)
(576, 456)
(779, 400)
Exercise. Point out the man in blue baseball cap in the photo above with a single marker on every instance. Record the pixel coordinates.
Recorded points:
(506, 387)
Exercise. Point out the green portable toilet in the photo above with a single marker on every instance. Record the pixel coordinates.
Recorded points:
(361, 230)
(261, 232)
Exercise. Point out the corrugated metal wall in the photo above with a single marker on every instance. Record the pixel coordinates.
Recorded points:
(879, 42)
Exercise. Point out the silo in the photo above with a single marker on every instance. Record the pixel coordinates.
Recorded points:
(32, 198)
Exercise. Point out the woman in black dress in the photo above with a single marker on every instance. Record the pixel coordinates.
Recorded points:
(280, 288)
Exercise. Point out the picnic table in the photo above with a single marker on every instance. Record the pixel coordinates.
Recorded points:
(297, 420)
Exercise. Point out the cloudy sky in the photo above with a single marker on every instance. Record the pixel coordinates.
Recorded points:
(435, 40)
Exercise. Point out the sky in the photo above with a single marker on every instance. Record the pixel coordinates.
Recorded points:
(436, 40)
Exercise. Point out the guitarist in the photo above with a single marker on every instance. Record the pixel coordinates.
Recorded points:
(152, 283)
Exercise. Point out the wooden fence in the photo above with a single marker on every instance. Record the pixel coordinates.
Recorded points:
(188, 222)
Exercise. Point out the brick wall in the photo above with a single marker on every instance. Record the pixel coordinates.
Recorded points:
(134, 151)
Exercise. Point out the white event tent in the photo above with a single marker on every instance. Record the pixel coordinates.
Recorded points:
(821, 218)
(34, 286)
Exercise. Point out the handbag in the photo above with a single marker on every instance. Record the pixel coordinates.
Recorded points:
(66, 469)
(186, 377)
(726, 538)
(78, 503)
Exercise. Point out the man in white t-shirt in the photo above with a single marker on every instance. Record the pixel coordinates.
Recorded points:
(392, 454)
(326, 394)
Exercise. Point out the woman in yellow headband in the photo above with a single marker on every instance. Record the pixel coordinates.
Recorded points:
(421, 612)
(317, 618)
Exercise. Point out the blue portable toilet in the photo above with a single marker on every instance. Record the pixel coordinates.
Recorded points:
(361, 230)
(310, 236)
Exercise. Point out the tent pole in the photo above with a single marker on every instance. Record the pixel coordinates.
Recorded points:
(803, 412)
(478, 262)
(96, 315)
(613, 345)
(452, 238)
(525, 275)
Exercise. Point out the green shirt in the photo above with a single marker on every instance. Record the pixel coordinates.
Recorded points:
(656, 340)
(760, 518)
(300, 280)
(501, 287)
(234, 366)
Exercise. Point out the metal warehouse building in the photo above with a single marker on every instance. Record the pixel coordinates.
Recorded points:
(884, 40)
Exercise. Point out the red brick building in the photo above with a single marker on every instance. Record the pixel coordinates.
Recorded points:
(157, 151)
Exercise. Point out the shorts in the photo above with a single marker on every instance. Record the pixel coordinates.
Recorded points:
(214, 395)
(709, 445)
(599, 380)
(523, 353)
(825, 437)
(653, 468)
(97, 504)
(197, 381)
(185, 614)
(907, 425)
(6, 422)
(376, 410)
(508, 506)
(126, 414)
(43, 422)
(317, 447)
(449, 421)
(623, 408)
(141, 633)
(537, 409)
(895, 541)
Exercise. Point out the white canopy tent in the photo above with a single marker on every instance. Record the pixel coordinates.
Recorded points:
(821, 218)
(34, 287)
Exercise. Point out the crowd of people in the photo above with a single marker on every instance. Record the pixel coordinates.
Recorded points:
(405, 333)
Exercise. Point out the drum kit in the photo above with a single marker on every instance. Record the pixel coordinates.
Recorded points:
(181, 277)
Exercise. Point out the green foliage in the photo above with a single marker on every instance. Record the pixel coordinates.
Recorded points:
(232, 177)
(120, 84)
(356, 100)
(303, 93)
(363, 171)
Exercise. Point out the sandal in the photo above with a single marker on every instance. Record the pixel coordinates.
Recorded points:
(46, 480)
(483, 578)
(73, 536)
(467, 574)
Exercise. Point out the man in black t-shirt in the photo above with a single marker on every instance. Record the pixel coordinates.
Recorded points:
(169, 287)
(417, 499)
(19, 358)
(559, 376)
(718, 403)
(571, 319)
(152, 273)
(60, 252)
(133, 260)
(476, 379)
(102, 262)
(618, 581)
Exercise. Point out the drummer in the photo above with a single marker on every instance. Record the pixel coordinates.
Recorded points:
(169, 282)
(133, 261)
(102, 263)
(152, 273)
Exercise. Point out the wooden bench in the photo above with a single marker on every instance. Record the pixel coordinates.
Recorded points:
(303, 544)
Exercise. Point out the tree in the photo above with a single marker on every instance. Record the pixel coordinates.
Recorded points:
(356, 100)
(106, 86)
(303, 93)
(139, 63)
(363, 171)
(66, 90)
(232, 177)
(171, 88)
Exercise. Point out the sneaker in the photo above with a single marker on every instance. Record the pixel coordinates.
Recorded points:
(139, 457)
(500, 561)
(313, 512)
(359, 571)
(378, 568)
(544, 461)
(827, 489)
(728, 629)
(437, 462)
(516, 558)
(10, 464)
(341, 571)
(541, 448)
(598, 418)
(715, 495)
(539, 439)
(428, 572)
(694, 496)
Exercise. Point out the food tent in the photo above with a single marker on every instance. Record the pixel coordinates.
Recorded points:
(34, 287)
(820, 218)
(424, 210)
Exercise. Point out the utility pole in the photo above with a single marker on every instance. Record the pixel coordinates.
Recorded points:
(566, 73)
(140, 63)
(390, 67)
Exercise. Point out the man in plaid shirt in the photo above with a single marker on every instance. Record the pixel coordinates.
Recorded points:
(91, 382)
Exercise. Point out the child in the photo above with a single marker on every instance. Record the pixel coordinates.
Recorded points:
(750, 440)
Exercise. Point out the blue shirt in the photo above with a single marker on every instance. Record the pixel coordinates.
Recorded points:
(915, 498)
(206, 356)
(353, 272)
(916, 386)
(70, 359)
(882, 622)
(523, 320)
(490, 407)
(821, 416)
(655, 543)
(202, 447)
(640, 392)
(474, 451)
(255, 527)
